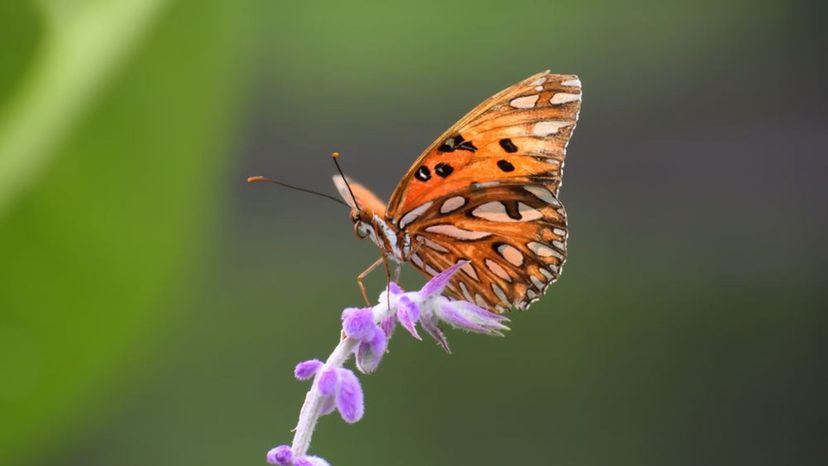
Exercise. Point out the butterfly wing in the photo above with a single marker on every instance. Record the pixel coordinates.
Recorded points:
(520, 132)
(486, 191)
(367, 200)
(513, 235)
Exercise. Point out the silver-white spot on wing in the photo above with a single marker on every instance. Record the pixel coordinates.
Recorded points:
(484, 184)
(458, 233)
(465, 291)
(564, 98)
(559, 232)
(432, 245)
(527, 101)
(414, 214)
(501, 295)
(480, 300)
(549, 276)
(511, 254)
(543, 194)
(417, 260)
(498, 270)
(543, 250)
(469, 270)
(496, 212)
(538, 82)
(537, 282)
(571, 83)
(549, 127)
(560, 245)
(452, 204)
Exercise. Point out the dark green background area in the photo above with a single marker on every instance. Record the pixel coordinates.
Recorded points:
(153, 305)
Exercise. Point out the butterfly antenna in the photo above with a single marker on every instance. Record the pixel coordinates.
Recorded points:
(261, 179)
(335, 157)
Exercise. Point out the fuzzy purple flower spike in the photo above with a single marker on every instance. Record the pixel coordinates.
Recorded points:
(365, 334)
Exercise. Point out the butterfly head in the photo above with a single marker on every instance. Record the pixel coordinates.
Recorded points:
(368, 216)
(363, 223)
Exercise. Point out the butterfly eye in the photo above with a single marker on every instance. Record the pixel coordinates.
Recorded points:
(362, 229)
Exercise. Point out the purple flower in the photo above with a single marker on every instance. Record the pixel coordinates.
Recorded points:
(366, 333)
(436, 285)
(311, 461)
(327, 382)
(307, 369)
(349, 398)
(340, 389)
(359, 323)
(281, 456)
(429, 308)
(408, 314)
(431, 327)
(467, 316)
(369, 353)
(387, 325)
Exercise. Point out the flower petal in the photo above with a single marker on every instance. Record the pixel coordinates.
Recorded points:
(328, 405)
(437, 284)
(456, 314)
(359, 323)
(453, 317)
(408, 313)
(327, 382)
(395, 289)
(388, 325)
(369, 354)
(281, 456)
(349, 398)
(307, 369)
(430, 326)
(479, 312)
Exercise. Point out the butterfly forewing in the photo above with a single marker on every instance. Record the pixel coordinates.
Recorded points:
(521, 132)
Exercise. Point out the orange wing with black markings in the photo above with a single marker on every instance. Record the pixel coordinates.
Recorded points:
(487, 190)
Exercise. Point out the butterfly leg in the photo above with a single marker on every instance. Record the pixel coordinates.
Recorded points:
(387, 281)
(361, 279)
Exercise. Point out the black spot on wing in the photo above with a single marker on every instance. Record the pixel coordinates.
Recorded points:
(508, 145)
(423, 173)
(505, 166)
(467, 145)
(456, 142)
(443, 169)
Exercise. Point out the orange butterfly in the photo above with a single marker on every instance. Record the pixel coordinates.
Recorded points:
(486, 192)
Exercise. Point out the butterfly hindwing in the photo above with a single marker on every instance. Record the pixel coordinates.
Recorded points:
(513, 235)
(365, 198)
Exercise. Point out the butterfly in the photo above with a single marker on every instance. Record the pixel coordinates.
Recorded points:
(486, 193)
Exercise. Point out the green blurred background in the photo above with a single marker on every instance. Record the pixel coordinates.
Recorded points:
(152, 304)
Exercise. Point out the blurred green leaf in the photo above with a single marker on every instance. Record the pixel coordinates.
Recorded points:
(118, 219)
(83, 42)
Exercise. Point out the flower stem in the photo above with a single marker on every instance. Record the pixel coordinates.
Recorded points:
(309, 415)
